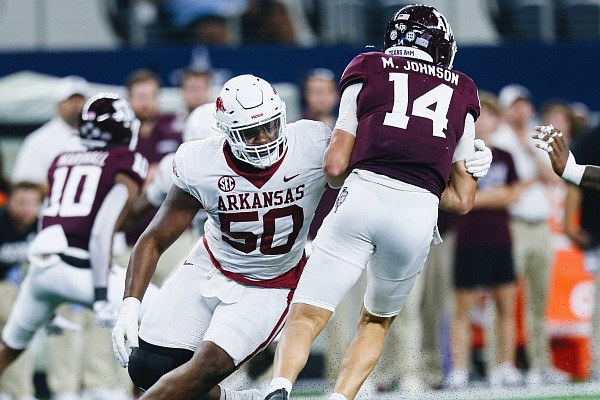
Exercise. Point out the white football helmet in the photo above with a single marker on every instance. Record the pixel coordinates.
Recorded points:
(249, 110)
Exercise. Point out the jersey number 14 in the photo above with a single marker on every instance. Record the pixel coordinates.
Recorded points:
(441, 96)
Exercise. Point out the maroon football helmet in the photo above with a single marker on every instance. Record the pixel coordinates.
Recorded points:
(424, 29)
(108, 120)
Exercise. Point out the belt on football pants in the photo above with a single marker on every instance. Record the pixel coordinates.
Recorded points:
(75, 262)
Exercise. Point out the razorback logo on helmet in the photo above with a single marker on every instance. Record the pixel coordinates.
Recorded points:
(220, 105)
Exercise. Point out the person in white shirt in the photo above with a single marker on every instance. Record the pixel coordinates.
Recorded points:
(532, 242)
(55, 136)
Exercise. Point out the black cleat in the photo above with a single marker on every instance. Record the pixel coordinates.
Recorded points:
(279, 394)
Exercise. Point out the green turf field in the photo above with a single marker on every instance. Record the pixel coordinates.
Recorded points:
(576, 391)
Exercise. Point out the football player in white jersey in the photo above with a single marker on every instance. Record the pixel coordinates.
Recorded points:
(259, 183)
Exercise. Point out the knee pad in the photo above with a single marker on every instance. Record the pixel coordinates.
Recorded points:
(149, 362)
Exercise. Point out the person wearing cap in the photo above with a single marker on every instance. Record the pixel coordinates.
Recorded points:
(55, 136)
(530, 228)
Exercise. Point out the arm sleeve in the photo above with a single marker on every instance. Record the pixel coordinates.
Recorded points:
(465, 146)
(102, 234)
(347, 119)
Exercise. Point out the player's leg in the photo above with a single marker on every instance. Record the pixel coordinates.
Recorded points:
(171, 328)
(180, 320)
(32, 308)
(304, 324)
(402, 236)
(363, 353)
(340, 253)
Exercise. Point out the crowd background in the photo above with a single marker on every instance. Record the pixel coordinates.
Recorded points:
(535, 56)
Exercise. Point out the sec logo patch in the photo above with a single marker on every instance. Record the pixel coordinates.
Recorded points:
(226, 183)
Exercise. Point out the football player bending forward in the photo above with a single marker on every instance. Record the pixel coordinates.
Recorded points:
(259, 184)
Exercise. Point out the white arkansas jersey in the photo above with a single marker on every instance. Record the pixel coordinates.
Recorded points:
(257, 222)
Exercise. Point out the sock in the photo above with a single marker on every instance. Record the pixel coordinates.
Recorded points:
(229, 394)
(280, 383)
(337, 396)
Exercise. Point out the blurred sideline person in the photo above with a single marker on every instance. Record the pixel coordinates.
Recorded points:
(90, 191)
(33, 161)
(160, 134)
(532, 239)
(54, 137)
(320, 96)
(484, 260)
(582, 217)
(18, 225)
(195, 88)
(437, 301)
(259, 184)
(383, 158)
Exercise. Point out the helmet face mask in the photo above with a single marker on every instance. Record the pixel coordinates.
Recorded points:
(252, 116)
(107, 120)
(425, 31)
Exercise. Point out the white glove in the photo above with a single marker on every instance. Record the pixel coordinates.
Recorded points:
(59, 325)
(480, 161)
(126, 327)
(106, 313)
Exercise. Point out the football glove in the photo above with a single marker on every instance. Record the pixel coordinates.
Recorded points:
(59, 325)
(480, 161)
(106, 313)
(126, 328)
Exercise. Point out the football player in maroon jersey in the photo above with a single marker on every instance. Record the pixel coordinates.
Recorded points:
(90, 192)
(403, 145)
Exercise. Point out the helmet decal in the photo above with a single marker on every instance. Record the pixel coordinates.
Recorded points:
(220, 106)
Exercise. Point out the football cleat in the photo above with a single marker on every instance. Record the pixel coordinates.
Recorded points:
(279, 394)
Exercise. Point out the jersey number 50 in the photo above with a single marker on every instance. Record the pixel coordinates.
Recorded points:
(247, 241)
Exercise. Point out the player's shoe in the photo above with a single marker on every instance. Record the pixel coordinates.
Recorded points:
(279, 394)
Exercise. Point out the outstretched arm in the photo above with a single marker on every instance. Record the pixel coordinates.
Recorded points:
(563, 161)
(173, 217)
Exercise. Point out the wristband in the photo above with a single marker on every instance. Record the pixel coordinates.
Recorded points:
(100, 294)
(573, 172)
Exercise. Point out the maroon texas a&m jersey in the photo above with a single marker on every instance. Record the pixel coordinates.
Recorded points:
(79, 182)
(411, 115)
